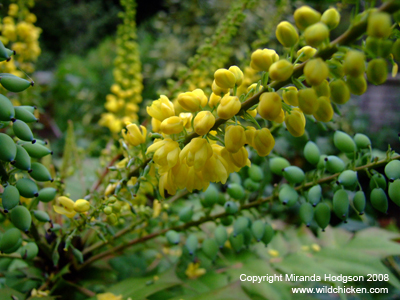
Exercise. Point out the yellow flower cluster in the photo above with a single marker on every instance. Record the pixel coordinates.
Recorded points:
(69, 208)
(19, 33)
(122, 102)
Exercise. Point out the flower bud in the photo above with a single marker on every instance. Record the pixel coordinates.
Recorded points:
(264, 142)
(331, 18)
(286, 34)
(186, 119)
(270, 106)
(228, 107)
(308, 100)
(306, 16)
(250, 133)
(203, 122)
(316, 34)
(261, 60)
(290, 96)
(252, 112)
(295, 122)
(307, 51)
(324, 112)
(134, 136)
(192, 101)
(396, 50)
(218, 90)
(161, 109)
(323, 89)
(241, 158)
(172, 125)
(214, 100)
(340, 92)
(224, 78)
(354, 64)
(281, 70)
(377, 71)
(81, 205)
(238, 74)
(357, 85)
(316, 71)
(336, 68)
(280, 118)
(379, 25)
(235, 138)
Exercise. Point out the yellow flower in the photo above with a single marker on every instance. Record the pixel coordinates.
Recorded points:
(13, 10)
(214, 169)
(316, 70)
(305, 16)
(250, 133)
(203, 122)
(224, 78)
(238, 74)
(281, 70)
(308, 100)
(217, 90)
(134, 136)
(186, 119)
(196, 153)
(331, 18)
(261, 60)
(66, 207)
(166, 152)
(155, 125)
(161, 109)
(286, 34)
(108, 296)
(228, 107)
(325, 111)
(316, 34)
(270, 105)
(307, 51)
(235, 138)
(193, 271)
(263, 142)
(172, 125)
(290, 96)
(240, 158)
(193, 101)
(81, 205)
(295, 122)
(156, 208)
(214, 100)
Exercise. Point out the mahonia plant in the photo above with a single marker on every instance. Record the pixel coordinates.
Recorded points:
(123, 102)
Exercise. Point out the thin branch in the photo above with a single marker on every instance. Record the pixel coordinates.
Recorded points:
(97, 184)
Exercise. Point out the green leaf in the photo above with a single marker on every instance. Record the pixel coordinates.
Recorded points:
(232, 291)
(7, 293)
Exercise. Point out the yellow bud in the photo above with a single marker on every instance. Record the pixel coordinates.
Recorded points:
(379, 25)
(286, 34)
(357, 85)
(203, 122)
(250, 133)
(336, 68)
(280, 118)
(155, 125)
(377, 71)
(307, 51)
(214, 100)
(308, 101)
(281, 70)
(81, 205)
(224, 78)
(218, 90)
(324, 112)
(186, 119)
(134, 136)
(261, 60)
(235, 138)
(252, 113)
(172, 125)
(306, 16)
(316, 34)
(238, 74)
(354, 64)
(228, 107)
(331, 18)
(193, 101)
(161, 109)
(395, 69)
(263, 142)
(270, 106)
(241, 158)
(290, 96)
(316, 70)
(295, 122)
(322, 89)
(340, 92)
(396, 50)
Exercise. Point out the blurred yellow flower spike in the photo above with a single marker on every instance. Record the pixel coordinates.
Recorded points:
(108, 296)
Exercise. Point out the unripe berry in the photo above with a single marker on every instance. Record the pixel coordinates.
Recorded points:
(324, 112)
(377, 71)
(316, 34)
(362, 141)
(307, 51)
(172, 125)
(290, 96)
(379, 25)
(306, 16)
(277, 164)
(203, 122)
(263, 142)
(270, 105)
(228, 107)
(316, 71)
(312, 153)
(357, 85)
(354, 64)
(281, 70)
(261, 60)
(331, 18)
(224, 78)
(286, 34)
(235, 138)
(308, 101)
(340, 92)
(238, 74)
